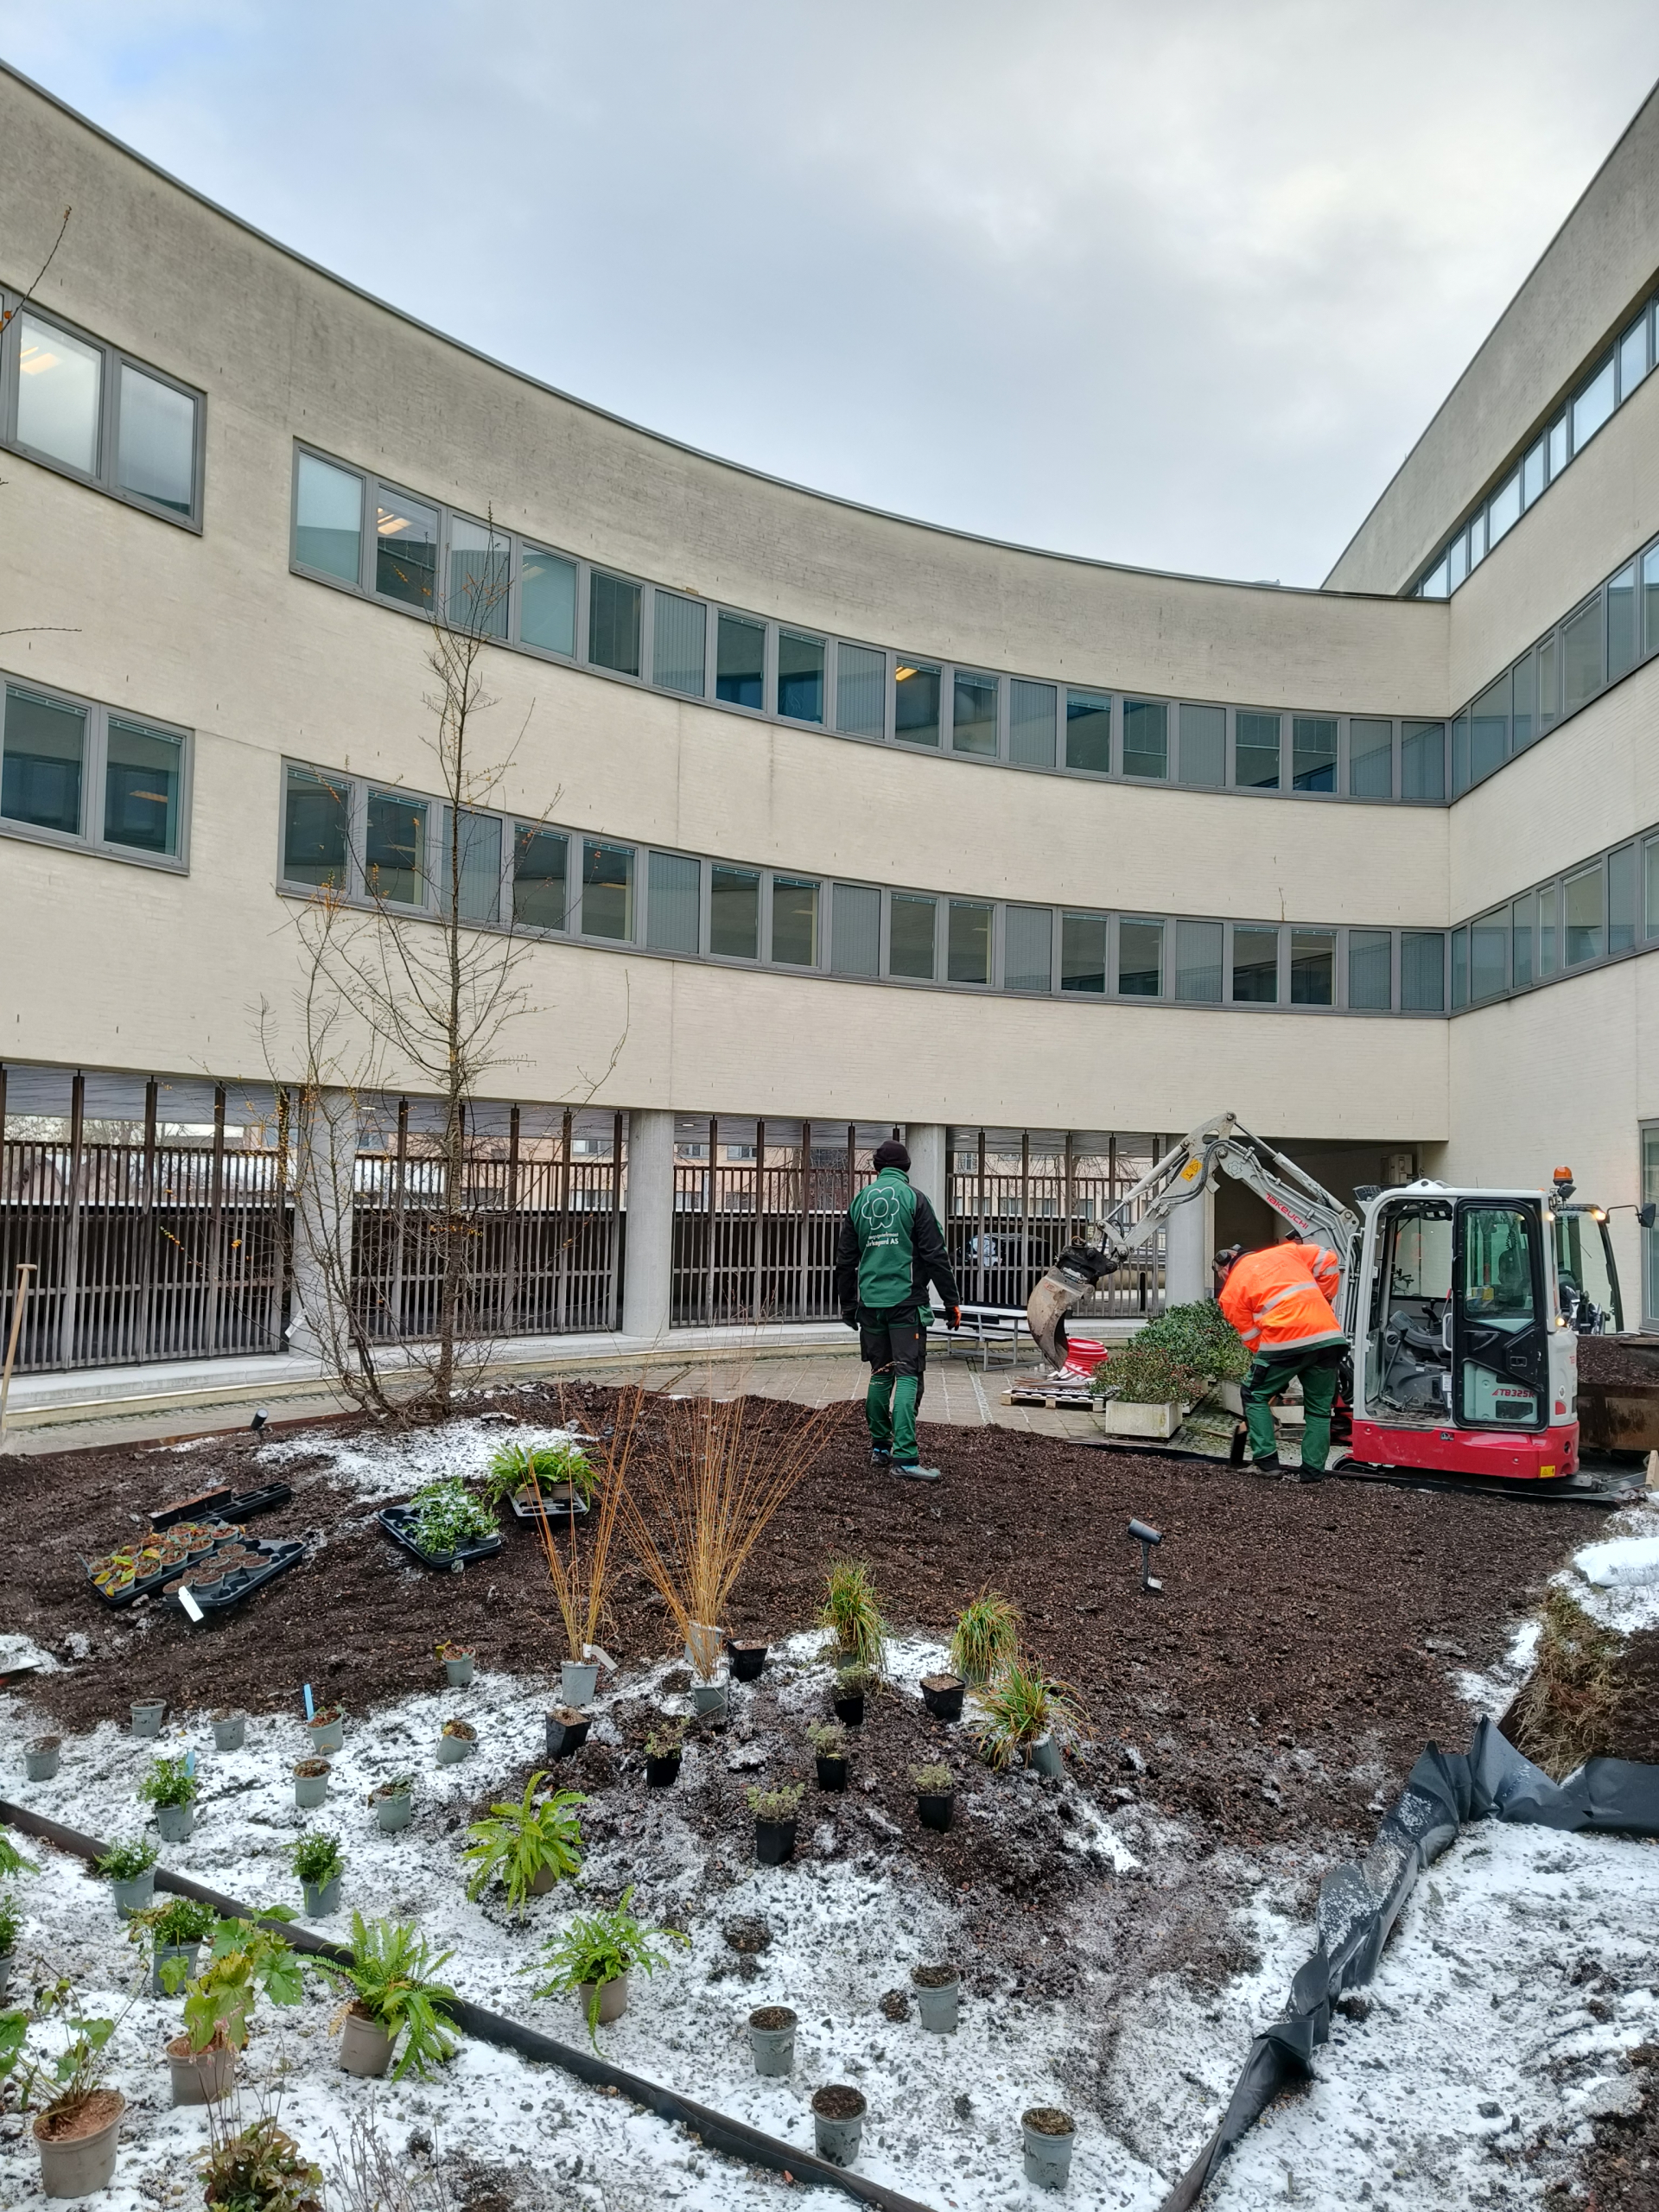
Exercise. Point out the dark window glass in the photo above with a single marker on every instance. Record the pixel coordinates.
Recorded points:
(1145, 738)
(1203, 744)
(540, 862)
(1370, 759)
(1549, 946)
(734, 912)
(1083, 953)
(1525, 725)
(613, 624)
(1650, 598)
(1256, 966)
(1488, 955)
(394, 849)
(794, 921)
(1370, 983)
(1139, 959)
(673, 903)
(1622, 648)
(973, 726)
(1028, 947)
(405, 549)
(1422, 971)
(968, 958)
(1031, 709)
(1312, 967)
(1255, 751)
(1549, 693)
(1586, 896)
(1422, 761)
(910, 951)
(1089, 732)
(741, 662)
(855, 946)
(141, 779)
(547, 602)
(860, 693)
(1460, 968)
(1314, 753)
(679, 644)
(916, 702)
(158, 442)
(478, 892)
(316, 817)
(1594, 406)
(1581, 662)
(1198, 963)
(1522, 929)
(1489, 729)
(45, 753)
(608, 890)
(1459, 755)
(1621, 898)
(480, 571)
(328, 518)
(800, 677)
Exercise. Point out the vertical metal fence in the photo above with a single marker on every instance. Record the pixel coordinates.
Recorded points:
(757, 1210)
(1016, 1197)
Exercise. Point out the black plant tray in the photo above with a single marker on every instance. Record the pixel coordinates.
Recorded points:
(223, 1504)
(556, 1509)
(399, 1522)
(247, 1502)
(276, 1555)
(146, 1584)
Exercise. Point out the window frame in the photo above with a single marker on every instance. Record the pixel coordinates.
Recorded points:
(94, 779)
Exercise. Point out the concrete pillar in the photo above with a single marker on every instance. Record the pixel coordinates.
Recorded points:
(1189, 1247)
(325, 1174)
(646, 1284)
(925, 1142)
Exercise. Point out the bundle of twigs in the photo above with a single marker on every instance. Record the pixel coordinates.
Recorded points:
(581, 1577)
(699, 1503)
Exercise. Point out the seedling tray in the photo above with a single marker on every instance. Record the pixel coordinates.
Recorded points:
(275, 1555)
(222, 1504)
(247, 1502)
(557, 1509)
(153, 1577)
(399, 1522)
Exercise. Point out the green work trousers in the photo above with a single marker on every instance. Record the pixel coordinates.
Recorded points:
(1318, 1368)
(895, 1344)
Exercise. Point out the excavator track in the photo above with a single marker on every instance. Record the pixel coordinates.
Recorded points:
(1613, 1490)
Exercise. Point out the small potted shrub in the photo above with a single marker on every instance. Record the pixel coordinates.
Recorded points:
(219, 2004)
(171, 1788)
(942, 1694)
(458, 1663)
(775, 1812)
(593, 1958)
(457, 1741)
(230, 1729)
(771, 2040)
(75, 2134)
(310, 1782)
(148, 1714)
(1047, 2134)
(258, 2168)
(10, 1929)
(444, 1518)
(525, 1845)
(828, 1742)
(664, 1748)
(938, 1991)
(748, 1658)
(393, 1803)
(936, 1794)
(325, 1729)
(838, 2122)
(1024, 1711)
(852, 1612)
(567, 1731)
(1180, 1356)
(175, 1932)
(40, 1755)
(129, 1870)
(986, 1637)
(392, 1993)
(850, 1688)
(318, 1864)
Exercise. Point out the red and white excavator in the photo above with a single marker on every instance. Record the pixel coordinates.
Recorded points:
(1464, 1307)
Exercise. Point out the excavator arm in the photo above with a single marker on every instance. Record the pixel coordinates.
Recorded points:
(1184, 1173)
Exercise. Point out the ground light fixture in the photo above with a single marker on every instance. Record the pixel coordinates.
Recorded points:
(1146, 1537)
(259, 1420)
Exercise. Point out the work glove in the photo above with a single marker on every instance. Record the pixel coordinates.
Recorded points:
(849, 1315)
(953, 1317)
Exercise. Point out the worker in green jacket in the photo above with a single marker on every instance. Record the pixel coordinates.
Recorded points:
(891, 1248)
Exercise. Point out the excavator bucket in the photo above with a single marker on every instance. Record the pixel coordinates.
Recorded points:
(1054, 1297)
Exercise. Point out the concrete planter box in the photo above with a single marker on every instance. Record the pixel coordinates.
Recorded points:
(1119, 1420)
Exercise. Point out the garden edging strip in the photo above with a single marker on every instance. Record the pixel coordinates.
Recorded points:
(735, 2139)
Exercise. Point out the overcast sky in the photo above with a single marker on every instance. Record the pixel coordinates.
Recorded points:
(1170, 282)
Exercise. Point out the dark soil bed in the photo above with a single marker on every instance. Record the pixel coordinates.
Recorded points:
(1620, 2171)
(1612, 1361)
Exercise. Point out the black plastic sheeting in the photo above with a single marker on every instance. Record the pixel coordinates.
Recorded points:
(1360, 1902)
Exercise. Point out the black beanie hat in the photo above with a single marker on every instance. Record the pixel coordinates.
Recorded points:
(892, 1155)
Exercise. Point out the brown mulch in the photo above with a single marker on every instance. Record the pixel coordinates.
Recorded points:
(1613, 1361)
(1632, 1730)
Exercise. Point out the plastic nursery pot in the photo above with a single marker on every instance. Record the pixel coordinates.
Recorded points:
(748, 1661)
(942, 1694)
(392, 1810)
(703, 1647)
(6, 1958)
(612, 2000)
(771, 2040)
(937, 1991)
(458, 1669)
(710, 1701)
(174, 1824)
(832, 1772)
(454, 1747)
(163, 1955)
(310, 1783)
(1043, 1756)
(578, 1679)
(136, 1896)
(849, 1708)
(662, 1773)
(148, 1714)
(1047, 2134)
(230, 1731)
(838, 2122)
(326, 1735)
(200, 2077)
(774, 1842)
(936, 1809)
(77, 2149)
(567, 1731)
(322, 1900)
(41, 1758)
(365, 2046)
(542, 1882)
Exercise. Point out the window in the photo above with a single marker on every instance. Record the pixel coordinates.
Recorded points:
(1621, 900)
(1139, 959)
(794, 921)
(1203, 744)
(1256, 966)
(1370, 988)
(1459, 969)
(1633, 360)
(1581, 664)
(1594, 406)
(394, 849)
(1522, 961)
(1532, 474)
(317, 823)
(1459, 755)
(1650, 600)
(909, 943)
(612, 625)
(1198, 963)
(1083, 953)
(43, 767)
(1089, 732)
(1549, 697)
(673, 903)
(1457, 561)
(1489, 729)
(1497, 1294)
(860, 693)
(1027, 949)
(855, 940)
(1312, 967)
(1422, 761)
(1525, 725)
(142, 773)
(1032, 715)
(1583, 898)
(1437, 584)
(480, 569)
(1255, 751)
(1489, 956)
(328, 519)
(1504, 511)
(915, 708)
(1557, 435)
(741, 662)
(968, 955)
(156, 442)
(405, 549)
(800, 677)
(973, 725)
(608, 890)
(479, 897)
(1623, 648)
(734, 912)
(1422, 971)
(1478, 539)
(59, 394)
(1650, 874)
(1145, 738)
(540, 859)
(679, 644)
(547, 600)
(73, 770)
(1314, 753)
(1549, 942)
(1371, 759)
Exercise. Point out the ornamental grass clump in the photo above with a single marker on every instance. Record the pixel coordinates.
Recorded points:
(852, 1613)
(581, 1571)
(1563, 1714)
(539, 1467)
(598, 1948)
(1022, 1704)
(519, 1842)
(986, 1637)
(1180, 1354)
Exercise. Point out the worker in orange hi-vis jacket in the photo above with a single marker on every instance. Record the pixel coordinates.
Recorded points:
(1279, 1299)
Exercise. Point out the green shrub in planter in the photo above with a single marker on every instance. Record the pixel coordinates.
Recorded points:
(515, 1466)
(852, 1612)
(125, 1862)
(316, 1857)
(1179, 1354)
(244, 1960)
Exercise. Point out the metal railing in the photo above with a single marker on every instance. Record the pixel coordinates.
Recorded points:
(754, 1237)
(1015, 1201)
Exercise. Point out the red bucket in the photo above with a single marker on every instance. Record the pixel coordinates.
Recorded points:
(1082, 1357)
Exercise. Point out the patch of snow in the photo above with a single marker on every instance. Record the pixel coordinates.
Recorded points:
(18, 1653)
(379, 1467)
(1624, 1560)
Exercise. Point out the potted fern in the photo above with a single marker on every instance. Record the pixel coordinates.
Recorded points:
(394, 1993)
(171, 1789)
(664, 1748)
(129, 1870)
(828, 1742)
(986, 1636)
(318, 1863)
(1027, 1712)
(539, 1477)
(245, 1958)
(935, 1795)
(594, 1957)
(526, 1846)
(775, 1814)
(393, 1803)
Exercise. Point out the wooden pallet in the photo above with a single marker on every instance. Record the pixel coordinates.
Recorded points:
(1064, 1401)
